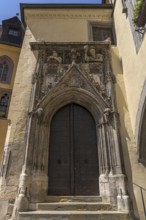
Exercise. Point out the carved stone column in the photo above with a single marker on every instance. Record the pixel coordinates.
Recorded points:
(116, 177)
(108, 190)
(104, 162)
(109, 78)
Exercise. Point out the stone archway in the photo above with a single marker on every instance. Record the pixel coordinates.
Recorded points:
(74, 86)
(40, 136)
(73, 154)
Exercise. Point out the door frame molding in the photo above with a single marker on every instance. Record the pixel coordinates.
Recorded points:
(75, 87)
(50, 105)
(74, 83)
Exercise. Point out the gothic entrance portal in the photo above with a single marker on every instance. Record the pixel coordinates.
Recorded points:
(73, 154)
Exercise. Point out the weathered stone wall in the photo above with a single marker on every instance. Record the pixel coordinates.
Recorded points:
(18, 115)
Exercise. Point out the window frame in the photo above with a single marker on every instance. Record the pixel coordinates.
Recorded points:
(103, 25)
(10, 65)
(11, 32)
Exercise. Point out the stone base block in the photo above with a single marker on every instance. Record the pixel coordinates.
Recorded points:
(73, 215)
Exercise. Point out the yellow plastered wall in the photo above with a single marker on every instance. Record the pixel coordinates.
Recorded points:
(13, 53)
(64, 25)
(135, 171)
(134, 64)
(134, 75)
(3, 131)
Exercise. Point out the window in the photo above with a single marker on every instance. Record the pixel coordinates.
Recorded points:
(3, 71)
(4, 103)
(13, 32)
(100, 32)
(6, 69)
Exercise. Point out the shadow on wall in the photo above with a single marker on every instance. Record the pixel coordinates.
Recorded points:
(125, 128)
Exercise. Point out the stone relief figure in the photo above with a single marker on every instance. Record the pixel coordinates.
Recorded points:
(38, 112)
(73, 57)
(91, 55)
(52, 63)
(107, 114)
(54, 57)
(51, 72)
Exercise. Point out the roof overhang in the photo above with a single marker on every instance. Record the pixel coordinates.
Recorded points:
(24, 6)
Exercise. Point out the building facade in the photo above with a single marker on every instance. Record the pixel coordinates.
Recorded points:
(131, 44)
(11, 37)
(73, 117)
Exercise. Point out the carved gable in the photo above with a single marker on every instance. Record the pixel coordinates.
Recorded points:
(74, 78)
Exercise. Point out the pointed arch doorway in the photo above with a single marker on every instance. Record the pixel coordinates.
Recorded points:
(73, 154)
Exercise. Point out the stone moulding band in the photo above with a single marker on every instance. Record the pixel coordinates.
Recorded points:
(71, 16)
(40, 44)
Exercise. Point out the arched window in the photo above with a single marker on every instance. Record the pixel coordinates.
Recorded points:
(4, 103)
(6, 69)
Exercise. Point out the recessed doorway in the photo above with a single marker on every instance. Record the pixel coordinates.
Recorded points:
(73, 154)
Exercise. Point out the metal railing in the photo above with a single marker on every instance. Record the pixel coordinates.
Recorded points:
(142, 197)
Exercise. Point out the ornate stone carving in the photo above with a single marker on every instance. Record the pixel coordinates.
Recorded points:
(54, 58)
(51, 66)
(91, 60)
(53, 14)
(73, 57)
(106, 116)
(92, 55)
(96, 68)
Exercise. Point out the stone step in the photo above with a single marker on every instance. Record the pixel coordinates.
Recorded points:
(78, 206)
(73, 199)
(73, 215)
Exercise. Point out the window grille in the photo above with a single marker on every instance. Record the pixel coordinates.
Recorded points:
(102, 33)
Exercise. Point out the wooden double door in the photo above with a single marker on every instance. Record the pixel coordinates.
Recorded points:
(73, 155)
